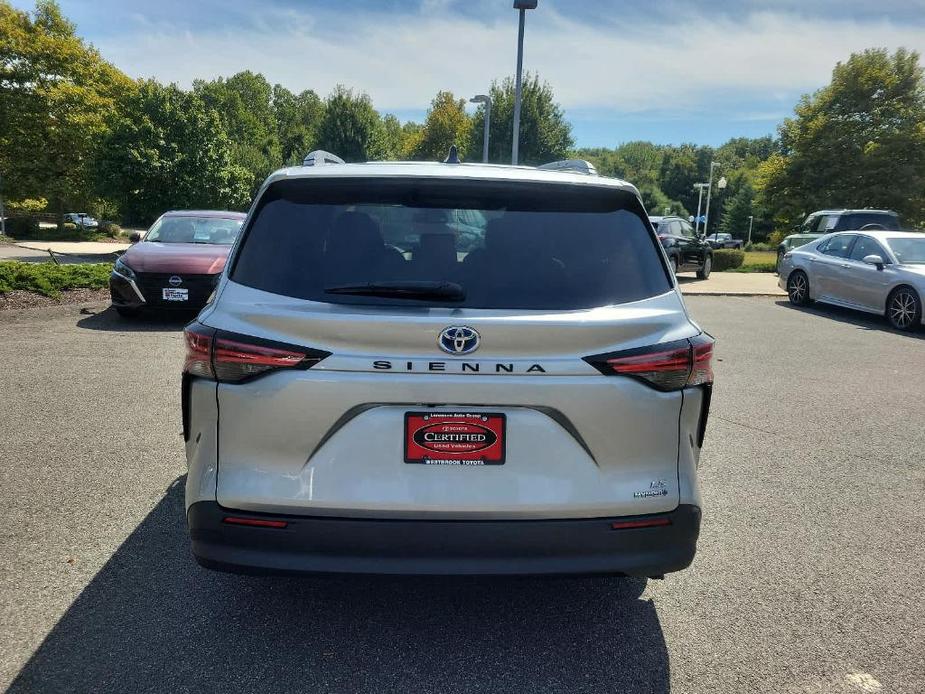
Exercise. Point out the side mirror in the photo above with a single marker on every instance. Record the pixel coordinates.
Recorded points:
(874, 260)
(134, 237)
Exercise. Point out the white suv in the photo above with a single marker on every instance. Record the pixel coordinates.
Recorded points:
(374, 390)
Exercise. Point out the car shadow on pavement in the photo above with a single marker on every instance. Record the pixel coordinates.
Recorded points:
(153, 620)
(859, 319)
(153, 321)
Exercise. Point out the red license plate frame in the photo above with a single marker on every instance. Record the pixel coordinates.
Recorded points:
(455, 438)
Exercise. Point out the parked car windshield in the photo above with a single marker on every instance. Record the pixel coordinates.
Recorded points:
(908, 251)
(188, 229)
(475, 244)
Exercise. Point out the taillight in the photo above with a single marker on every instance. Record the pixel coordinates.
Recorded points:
(231, 358)
(666, 367)
(255, 522)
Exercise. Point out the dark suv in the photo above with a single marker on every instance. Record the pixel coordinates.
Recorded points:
(818, 224)
(687, 252)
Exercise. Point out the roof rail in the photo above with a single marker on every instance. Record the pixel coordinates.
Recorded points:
(577, 165)
(319, 157)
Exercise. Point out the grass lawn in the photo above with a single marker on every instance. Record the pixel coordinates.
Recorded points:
(50, 279)
(760, 258)
(758, 261)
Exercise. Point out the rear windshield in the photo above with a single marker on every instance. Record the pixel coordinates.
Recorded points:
(501, 245)
(855, 221)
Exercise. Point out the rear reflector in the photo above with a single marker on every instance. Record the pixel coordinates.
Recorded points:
(668, 366)
(642, 523)
(255, 522)
(231, 358)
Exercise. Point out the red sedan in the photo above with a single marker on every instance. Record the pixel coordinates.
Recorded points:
(177, 263)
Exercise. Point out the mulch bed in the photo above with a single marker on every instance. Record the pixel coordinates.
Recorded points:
(18, 298)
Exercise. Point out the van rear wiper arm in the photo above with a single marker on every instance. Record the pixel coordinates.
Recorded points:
(446, 291)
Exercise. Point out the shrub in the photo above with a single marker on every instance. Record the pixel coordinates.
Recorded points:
(727, 259)
(50, 279)
(110, 229)
(68, 231)
(759, 247)
(27, 206)
(776, 237)
(756, 267)
(22, 227)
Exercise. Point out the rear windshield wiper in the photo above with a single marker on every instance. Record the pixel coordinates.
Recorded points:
(446, 291)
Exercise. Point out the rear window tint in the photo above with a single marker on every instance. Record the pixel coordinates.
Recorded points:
(858, 220)
(507, 245)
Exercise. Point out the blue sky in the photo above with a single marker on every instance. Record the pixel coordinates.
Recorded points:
(658, 70)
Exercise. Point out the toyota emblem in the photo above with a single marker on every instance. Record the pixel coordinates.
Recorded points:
(175, 281)
(459, 339)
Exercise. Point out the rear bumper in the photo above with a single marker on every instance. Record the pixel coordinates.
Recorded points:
(340, 545)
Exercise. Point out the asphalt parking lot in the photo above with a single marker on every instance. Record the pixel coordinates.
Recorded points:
(809, 578)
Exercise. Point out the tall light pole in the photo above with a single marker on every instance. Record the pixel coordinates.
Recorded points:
(699, 186)
(751, 218)
(522, 6)
(706, 221)
(484, 99)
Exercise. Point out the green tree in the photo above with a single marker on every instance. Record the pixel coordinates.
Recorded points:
(351, 127)
(858, 142)
(392, 137)
(682, 167)
(411, 135)
(56, 94)
(167, 150)
(446, 124)
(243, 103)
(298, 117)
(737, 209)
(545, 135)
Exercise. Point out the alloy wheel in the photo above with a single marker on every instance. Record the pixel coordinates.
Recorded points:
(797, 288)
(707, 267)
(903, 309)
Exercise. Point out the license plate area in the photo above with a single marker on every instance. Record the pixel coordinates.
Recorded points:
(455, 438)
(174, 294)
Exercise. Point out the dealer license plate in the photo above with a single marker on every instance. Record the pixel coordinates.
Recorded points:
(175, 294)
(454, 438)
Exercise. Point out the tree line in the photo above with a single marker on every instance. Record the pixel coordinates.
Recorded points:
(76, 132)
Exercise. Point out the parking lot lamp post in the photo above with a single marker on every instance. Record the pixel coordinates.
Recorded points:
(484, 99)
(522, 6)
(706, 215)
(700, 187)
(751, 218)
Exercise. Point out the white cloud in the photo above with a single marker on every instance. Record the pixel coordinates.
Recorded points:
(402, 60)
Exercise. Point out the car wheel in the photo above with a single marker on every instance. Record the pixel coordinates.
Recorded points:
(674, 265)
(704, 272)
(904, 308)
(798, 288)
(128, 312)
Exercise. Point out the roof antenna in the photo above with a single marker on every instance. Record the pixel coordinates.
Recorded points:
(453, 156)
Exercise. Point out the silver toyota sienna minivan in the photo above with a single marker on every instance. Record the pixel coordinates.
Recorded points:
(445, 369)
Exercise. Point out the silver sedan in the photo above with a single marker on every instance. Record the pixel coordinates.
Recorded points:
(880, 272)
